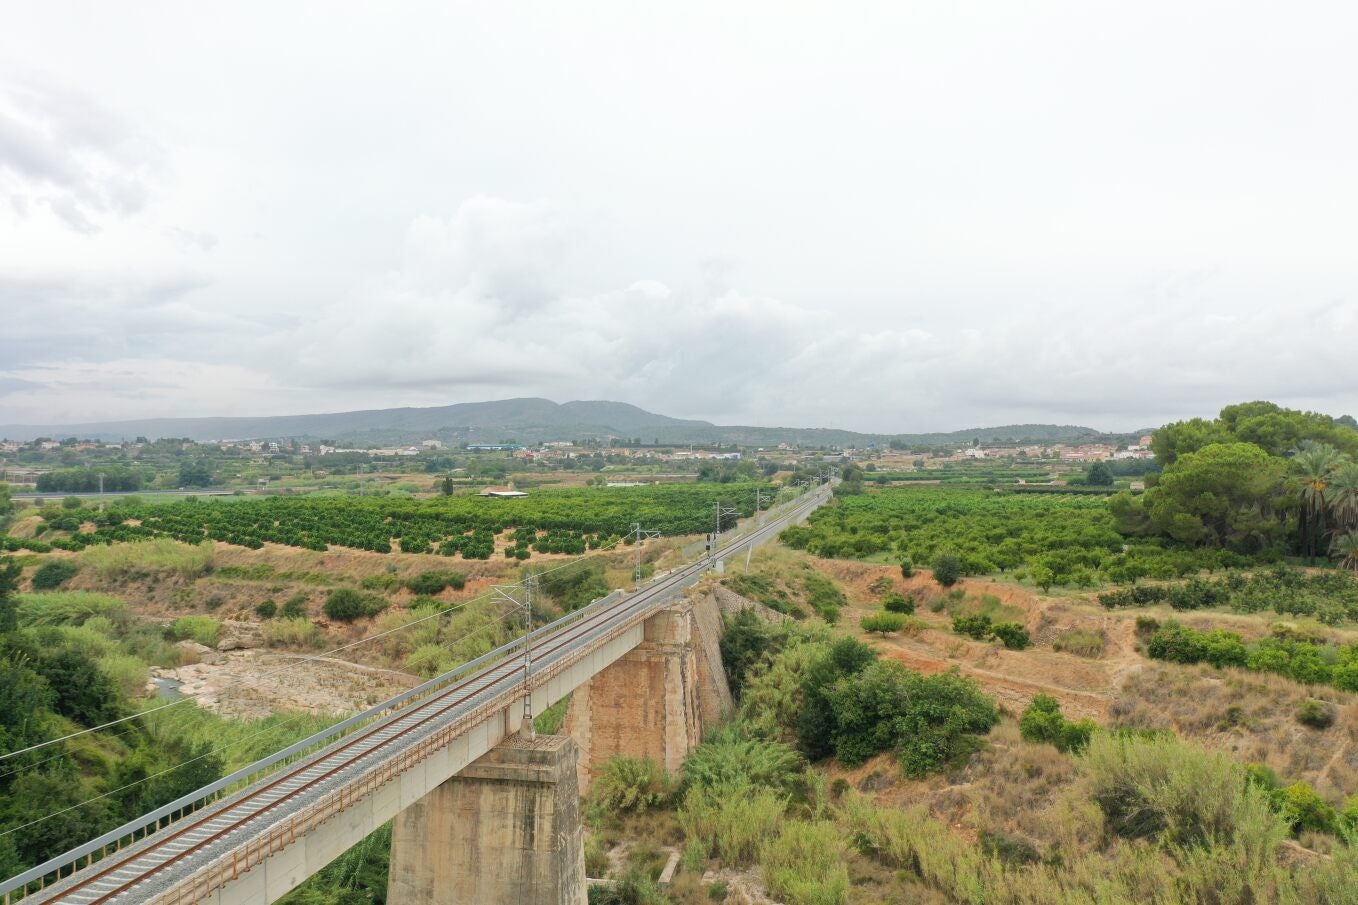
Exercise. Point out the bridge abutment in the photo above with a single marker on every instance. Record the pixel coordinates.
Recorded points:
(504, 831)
(646, 703)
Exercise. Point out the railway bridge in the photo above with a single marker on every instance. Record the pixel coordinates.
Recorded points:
(484, 811)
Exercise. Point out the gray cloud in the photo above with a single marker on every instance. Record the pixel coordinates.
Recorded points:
(62, 149)
(914, 217)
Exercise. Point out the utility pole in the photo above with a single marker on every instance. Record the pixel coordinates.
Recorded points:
(521, 595)
(719, 511)
(641, 536)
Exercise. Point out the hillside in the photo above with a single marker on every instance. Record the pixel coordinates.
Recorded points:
(528, 420)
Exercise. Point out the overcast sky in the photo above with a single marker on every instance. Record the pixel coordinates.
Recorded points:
(891, 216)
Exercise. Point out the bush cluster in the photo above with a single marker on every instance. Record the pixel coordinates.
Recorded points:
(1303, 659)
(348, 604)
(980, 627)
(883, 623)
(53, 574)
(1044, 722)
(895, 602)
(1328, 597)
(433, 582)
(927, 721)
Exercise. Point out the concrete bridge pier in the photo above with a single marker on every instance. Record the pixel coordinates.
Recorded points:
(649, 702)
(504, 831)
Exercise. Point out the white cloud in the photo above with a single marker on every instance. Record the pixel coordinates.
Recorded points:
(914, 217)
(64, 151)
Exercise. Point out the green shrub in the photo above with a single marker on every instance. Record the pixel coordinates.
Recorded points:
(295, 607)
(203, 629)
(631, 785)
(947, 568)
(1011, 635)
(978, 627)
(1304, 809)
(747, 640)
(1316, 714)
(1043, 722)
(266, 609)
(894, 602)
(728, 758)
(431, 583)
(907, 568)
(347, 604)
(717, 892)
(882, 623)
(53, 574)
(928, 721)
(1147, 625)
(816, 718)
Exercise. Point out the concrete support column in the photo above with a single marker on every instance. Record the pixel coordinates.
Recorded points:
(646, 704)
(504, 831)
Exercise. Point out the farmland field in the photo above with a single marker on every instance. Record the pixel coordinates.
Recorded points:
(558, 521)
(1056, 538)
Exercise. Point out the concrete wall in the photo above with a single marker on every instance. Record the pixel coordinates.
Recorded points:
(647, 703)
(284, 870)
(714, 695)
(504, 831)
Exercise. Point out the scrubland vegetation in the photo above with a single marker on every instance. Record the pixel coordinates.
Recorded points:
(1040, 810)
(1220, 765)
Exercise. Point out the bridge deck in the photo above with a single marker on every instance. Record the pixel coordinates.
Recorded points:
(202, 851)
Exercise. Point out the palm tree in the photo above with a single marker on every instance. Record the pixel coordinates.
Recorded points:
(1341, 496)
(1345, 546)
(1314, 464)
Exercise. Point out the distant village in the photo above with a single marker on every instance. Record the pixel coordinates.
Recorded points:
(22, 463)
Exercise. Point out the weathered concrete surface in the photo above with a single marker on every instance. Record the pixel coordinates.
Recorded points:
(644, 705)
(714, 695)
(283, 871)
(504, 830)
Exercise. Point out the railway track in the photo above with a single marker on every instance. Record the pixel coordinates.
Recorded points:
(159, 862)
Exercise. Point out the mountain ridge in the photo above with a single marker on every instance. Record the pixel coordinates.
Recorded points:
(527, 419)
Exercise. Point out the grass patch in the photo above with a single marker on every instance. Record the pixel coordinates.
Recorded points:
(203, 629)
(1081, 642)
(132, 560)
(68, 608)
(297, 631)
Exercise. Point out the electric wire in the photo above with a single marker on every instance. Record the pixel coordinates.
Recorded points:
(489, 595)
(210, 753)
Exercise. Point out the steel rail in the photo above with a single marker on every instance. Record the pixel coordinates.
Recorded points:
(558, 645)
(430, 709)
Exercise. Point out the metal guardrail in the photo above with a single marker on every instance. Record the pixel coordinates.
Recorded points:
(149, 823)
(377, 716)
